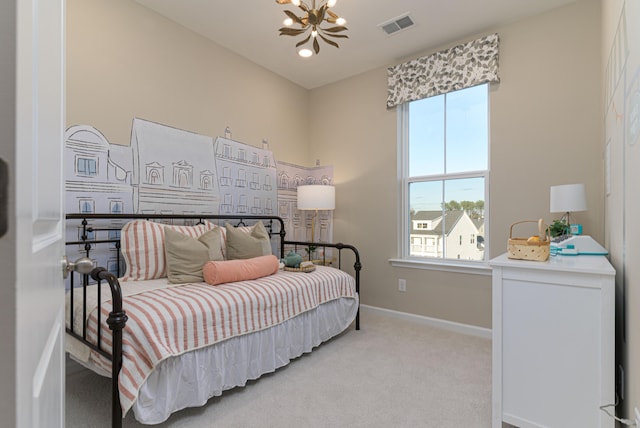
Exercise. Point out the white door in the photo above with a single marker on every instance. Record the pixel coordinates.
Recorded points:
(32, 296)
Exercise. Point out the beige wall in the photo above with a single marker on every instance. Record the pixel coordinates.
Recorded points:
(545, 130)
(125, 61)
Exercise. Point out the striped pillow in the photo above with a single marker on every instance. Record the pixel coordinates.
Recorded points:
(143, 247)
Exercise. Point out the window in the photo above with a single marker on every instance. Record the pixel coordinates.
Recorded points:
(86, 235)
(113, 267)
(87, 167)
(87, 206)
(114, 235)
(445, 172)
(116, 207)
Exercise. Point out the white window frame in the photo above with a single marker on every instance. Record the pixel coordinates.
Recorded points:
(480, 267)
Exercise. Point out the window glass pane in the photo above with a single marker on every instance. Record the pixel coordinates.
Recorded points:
(425, 217)
(467, 129)
(426, 136)
(86, 166)
(464, 218)
(425, 196)
(116, 207)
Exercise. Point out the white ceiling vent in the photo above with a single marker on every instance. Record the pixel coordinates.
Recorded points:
(397, 24)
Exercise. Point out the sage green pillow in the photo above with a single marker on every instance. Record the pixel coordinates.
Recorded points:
(243, 244)
(186, 256)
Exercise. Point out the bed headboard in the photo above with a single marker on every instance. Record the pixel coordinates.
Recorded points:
(97, 236)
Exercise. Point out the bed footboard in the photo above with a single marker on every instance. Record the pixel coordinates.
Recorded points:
(310, 247)
(116, 321)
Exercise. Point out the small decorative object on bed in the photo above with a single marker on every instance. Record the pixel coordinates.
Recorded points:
(292, 260)
(206, 307)
(305, 266)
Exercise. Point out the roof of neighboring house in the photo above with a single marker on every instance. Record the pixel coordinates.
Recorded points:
(449, 222)
(478, 222)
(426, 215)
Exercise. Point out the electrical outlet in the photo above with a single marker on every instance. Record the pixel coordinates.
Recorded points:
(637, 412)
(402, 285)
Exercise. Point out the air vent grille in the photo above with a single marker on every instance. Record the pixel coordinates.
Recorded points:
(397, 24)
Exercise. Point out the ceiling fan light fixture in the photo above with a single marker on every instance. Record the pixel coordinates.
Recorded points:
(314, 18)
(305, 53)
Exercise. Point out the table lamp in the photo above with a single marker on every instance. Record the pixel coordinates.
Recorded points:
(567, 198)
(316, 197)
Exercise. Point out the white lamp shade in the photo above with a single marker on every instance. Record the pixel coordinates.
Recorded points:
(567, 198)
(316, 197)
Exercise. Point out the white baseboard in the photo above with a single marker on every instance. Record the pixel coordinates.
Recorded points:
(471, 330)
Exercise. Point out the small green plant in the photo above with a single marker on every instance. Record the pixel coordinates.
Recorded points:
(310, 249)
(558, 228)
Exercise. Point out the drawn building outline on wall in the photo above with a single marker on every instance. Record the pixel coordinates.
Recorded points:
(173, 170)
(247, 174)
(298, 224)
(166, 170)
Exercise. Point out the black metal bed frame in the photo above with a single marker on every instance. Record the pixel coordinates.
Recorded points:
(117, 317)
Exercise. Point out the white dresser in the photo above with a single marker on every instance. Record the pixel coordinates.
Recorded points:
(553, 341)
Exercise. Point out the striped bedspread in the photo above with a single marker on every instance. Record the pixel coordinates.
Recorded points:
(170, 321)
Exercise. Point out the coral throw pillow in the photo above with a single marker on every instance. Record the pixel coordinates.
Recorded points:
(220, 272)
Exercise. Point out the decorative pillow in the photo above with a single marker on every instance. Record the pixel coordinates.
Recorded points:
(185, 255)
(215, 273)
(248, 243)
(142, 244)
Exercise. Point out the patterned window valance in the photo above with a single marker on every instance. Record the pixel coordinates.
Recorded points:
(457, 68)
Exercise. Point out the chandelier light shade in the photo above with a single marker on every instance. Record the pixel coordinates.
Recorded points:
(318, 21)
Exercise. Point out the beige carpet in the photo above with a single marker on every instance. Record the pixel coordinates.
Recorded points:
(391, 373)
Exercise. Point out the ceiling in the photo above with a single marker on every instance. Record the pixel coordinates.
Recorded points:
(250, 29)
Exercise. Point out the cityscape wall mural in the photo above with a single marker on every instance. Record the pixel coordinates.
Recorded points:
(166, 170)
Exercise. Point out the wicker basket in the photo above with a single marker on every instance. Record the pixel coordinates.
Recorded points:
(527, 249)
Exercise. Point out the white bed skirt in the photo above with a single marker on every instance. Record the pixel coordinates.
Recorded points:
(191, 379)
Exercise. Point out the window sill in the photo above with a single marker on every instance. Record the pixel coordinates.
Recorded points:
(474, 268)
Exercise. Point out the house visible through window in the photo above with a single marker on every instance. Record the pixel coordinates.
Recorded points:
(445, 173)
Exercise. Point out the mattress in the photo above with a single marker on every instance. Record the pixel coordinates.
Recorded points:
(259, 326)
